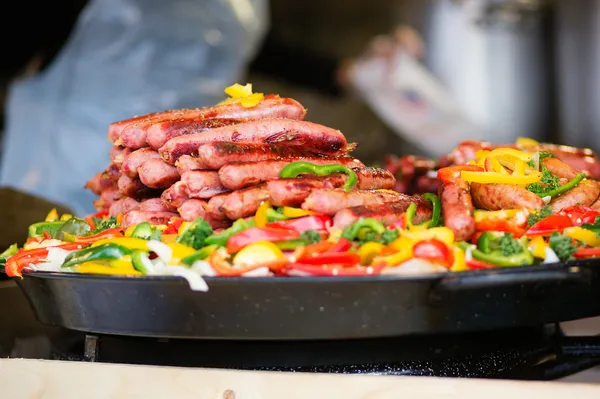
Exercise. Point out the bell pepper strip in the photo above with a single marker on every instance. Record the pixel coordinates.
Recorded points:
(342, 245)
(351, 232)
(145, 231)
(52, 216)
(443, 234)
(584, 253)
(238, 241)
(368, 251)
(580, 214)
(125, 262)
(299, 168)
(218, 262)
(504, 225)
(275, 216)
(37, 229)
(74, 227)
(450, 174)
(588, 237)
(526, 142)
(129, 242)
(300, 225)
(104, 252)
(334, 270)
(564, 188)
(8, 252)
(290, 212)
(200, 254)
(459, 264)
(404, 251)
(106, 234)
(16, 263)
(260, 252)
(436, 209)
(521, 259)
(538, 246)
(316, 248)
(495, 177)
(291, 245)
(474, 264)
(260, 218)
(330, 258)
(173, 226)
(434, 250)
(221, 238)
(549, 225)
(99, 268)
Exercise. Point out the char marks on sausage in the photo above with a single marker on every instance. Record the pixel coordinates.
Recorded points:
(494, 197)
(137, 216)
(245, 202)
(123, 206)
(202, 183)
(175, 195)
(156, 173)
(135, 159)
(330, 201)
(457, 208)
(387, 213)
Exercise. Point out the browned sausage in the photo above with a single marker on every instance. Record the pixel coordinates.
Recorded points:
(123, 206)
(134, 188)
(385, 213)
(244, 203)
(309, 135)
(494, 197)
(192, 209)
(585, 194)
(161, 132)
(136, 217)
(202, 183)
(215, 207)
(330, 201)
(153, 205)
(135, 159)
(156, 173)
(175, 195)
(457, 209)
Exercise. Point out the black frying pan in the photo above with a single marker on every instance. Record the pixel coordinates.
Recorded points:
(316, 308)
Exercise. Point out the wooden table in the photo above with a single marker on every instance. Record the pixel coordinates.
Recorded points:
(46, 379)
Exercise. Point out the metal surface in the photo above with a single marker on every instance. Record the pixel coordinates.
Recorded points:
(316, 308)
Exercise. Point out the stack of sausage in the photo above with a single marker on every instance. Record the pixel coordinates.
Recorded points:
(222, 162)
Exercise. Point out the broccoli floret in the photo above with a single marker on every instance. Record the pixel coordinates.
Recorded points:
(563, 246)
(385, 238)
(542, 214)
(508, 245)
(196, 234)
(103, 224)
(311, 236)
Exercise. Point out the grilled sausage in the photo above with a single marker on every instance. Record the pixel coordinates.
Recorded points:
(161, 132)
(134, 188)
(107, 198)
(385, 213)
(192, 209)
(153, 205)
(585, 194)
(123, 206)
(240, 175)
(244, 203)
(135, 159)
(117, 154)
(494, 197)
(311, 136)
(330, 201)
(457, 209)
(175, 195)
(134, 135)
(101, 182)
(214, 208)
(202, 183)
(156, 173)
(136, 217)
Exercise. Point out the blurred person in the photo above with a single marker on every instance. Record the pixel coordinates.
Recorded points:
(122, 58)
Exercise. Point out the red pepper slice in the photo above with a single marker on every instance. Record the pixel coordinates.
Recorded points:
(503, 225)
(16, 263)
(223, 268)
(583, 253)
(434, 250)
(173, 226)
(106, 234)
(300, 225)
(399, 224)
(449, 174)
(329, 258)
(341, 246)
(254, 234)
(549, 225)
(475, 264)
(335, 270)
(580, 214)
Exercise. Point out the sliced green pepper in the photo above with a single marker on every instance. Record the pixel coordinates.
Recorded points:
(200, 254)
(103, 252)
(485, 242)
(143, 230)
(8, 252)
(436, 209)
(299, 168)
(291, 244)
(221, 238)
(52, 228)
(351, 232)
(565, 187)
(275, 216)
(136, 261)
(75, 227)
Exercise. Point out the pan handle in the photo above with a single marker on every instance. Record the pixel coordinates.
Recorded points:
(572, 275)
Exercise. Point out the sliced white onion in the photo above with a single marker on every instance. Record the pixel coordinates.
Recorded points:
(469, 254)
(48, 267)
(147, 263)
(536, 160)
(203, 268)
(432, 174)
(162, 250)
(298, 273)
(194, 280)
(260, 272)
(57, 255)
(547, 199)
(414, 266)
(551, 256)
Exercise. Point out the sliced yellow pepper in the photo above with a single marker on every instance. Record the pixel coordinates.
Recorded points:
(236, 90)
(130, 230)
(511, 152)
(123, 263)
(335, 235)
(481, 216)
(180, 251)
(459, 264)
(369, 251)
(127, 242)
(66, 217)
(525, 142)
(242, 95)
(291, 213)
(252, 100)
(260, 218)
(537, 246)
(100, 268)
(579, 233)
(168, 238)
(183, 227)
(52, 216)
(404, 254)
(495, 177)
(497, 166)
(258, 252)
(443, 234)
(481, 154)
(520, 168)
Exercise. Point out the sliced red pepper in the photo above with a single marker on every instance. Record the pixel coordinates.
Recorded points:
(254, 234)
(173, 226)
(106, 234)
(580, 214)
(341, 246)
(434, 250)
(503, 225)
(475, 264)
(300, 225)
(225, 269)
(475, 237)
(328, 258)
(583, 253)
(335, 270)
(549, 225)
(449, 174)
(399, 224)
(16, 263)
